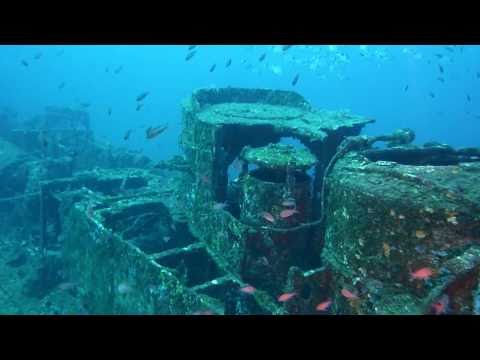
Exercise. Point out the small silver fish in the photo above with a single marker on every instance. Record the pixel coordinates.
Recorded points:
(124, 288)
(219, 206)
(420, 249)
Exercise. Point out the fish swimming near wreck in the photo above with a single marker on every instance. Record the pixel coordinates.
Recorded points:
(248, 289)
(323, 306)
(267, 216)
(286, 297)
(124, 288)
(295, 79)
(153, 132)
(348, 294)
(43, 139)
(422, 274)
(142, 96)
(127, 134)
(288, 213)
(441, 306)
(190, 55)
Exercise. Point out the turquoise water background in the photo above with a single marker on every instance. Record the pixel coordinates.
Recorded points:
(368, 80)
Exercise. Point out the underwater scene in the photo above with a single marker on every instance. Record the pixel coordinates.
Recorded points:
(239, 179)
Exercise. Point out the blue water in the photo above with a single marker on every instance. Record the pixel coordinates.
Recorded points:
(369, 81)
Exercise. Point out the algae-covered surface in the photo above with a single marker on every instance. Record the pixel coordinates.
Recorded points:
(369, 231)
(277, 156)
(314, 124)
(386, 220)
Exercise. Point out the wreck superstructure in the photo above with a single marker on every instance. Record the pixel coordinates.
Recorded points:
(242, 207)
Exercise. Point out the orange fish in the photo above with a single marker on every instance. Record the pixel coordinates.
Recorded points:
(422, 274)
(204, 312)
(287, 296)
(269, 217)
(287, 213)
(441, 306)
(248, 289)
(348, 294)
(323, 306)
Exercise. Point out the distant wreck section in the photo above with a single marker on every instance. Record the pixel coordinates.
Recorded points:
(242, 217)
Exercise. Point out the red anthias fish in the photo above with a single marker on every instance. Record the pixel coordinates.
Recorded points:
(204, 312)
(269, 217)
(248, 289)
(287, 296)
(348, 294)
(287, 213)
(323, 306)
(440, 307)
(422, 274)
